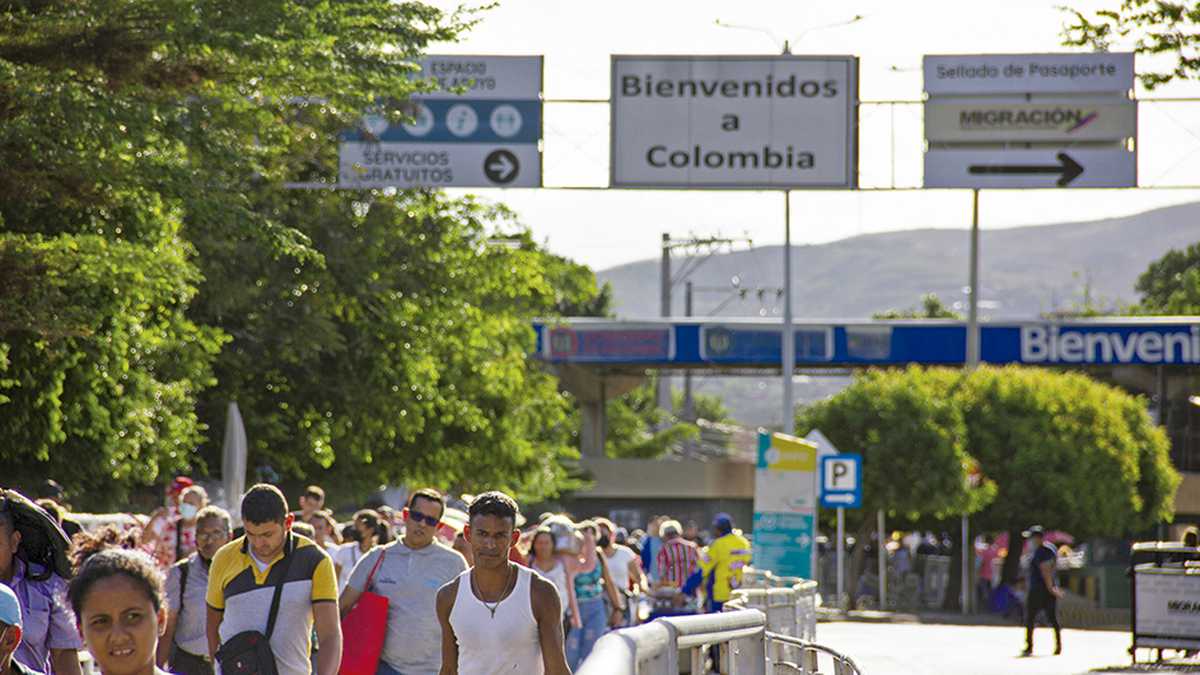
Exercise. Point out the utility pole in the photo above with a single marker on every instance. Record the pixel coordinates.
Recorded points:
(689, 412)
(669, 278)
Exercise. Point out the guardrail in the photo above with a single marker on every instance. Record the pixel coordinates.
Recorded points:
(767, 627)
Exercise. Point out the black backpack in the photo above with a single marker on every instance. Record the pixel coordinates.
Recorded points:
(249, 652)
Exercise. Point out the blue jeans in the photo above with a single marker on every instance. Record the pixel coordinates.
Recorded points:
(593, 614)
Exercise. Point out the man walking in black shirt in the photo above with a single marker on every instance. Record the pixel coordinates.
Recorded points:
(1043, 592)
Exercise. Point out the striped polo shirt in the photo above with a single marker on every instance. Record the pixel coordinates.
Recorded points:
(237, 588)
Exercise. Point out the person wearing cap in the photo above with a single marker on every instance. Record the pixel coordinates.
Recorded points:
(50, 641)
(1043, 593)
(723, 561)
(10, 634)
(678, 559)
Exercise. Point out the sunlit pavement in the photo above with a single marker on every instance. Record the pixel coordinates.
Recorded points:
(930, 649)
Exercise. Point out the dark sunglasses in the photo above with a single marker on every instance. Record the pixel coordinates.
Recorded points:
(422, 518)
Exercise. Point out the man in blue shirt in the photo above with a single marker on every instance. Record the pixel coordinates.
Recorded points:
(1043, 592)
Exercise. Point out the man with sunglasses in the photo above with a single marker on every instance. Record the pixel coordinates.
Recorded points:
(410, 574)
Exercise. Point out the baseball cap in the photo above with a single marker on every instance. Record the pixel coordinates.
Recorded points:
(1035, 531)
(10, 608)
(180, 484)
(723, 521)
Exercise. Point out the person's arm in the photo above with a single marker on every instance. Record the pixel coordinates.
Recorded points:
(212, 630)
(547, 611)
(329, 636)
(65, 662)
(168, 638)
(357, 585)
(445, 604)
(347, 599)
(636, 575)
(1048, 579)
(571, 564)
(618, 607)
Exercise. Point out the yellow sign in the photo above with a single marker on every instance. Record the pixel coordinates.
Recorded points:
(788, 453)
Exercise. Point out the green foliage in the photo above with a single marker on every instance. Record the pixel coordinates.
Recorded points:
(1166, 29)
(912, 437)
(931, 307)
(1040, 445)
(639, 429)
(1171, 285)
(100, 367)
(149, 252)
(1067, 451)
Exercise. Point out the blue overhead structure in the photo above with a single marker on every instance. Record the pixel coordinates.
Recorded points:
(729, 344)
(597, 359)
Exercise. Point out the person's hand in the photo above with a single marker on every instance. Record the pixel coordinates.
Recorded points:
(616, 618)
(576, 623)
(1057, 592)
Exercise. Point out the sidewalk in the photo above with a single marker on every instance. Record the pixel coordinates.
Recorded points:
(1095, 620)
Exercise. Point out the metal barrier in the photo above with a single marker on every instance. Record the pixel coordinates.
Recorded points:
(768, 627)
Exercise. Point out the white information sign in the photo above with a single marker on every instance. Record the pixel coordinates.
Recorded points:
(1168, 606)
(481, 128)
(734, 122)
(1068, 121)
(1028, 73)
(1043, 168)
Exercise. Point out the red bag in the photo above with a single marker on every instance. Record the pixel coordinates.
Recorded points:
(367, 622)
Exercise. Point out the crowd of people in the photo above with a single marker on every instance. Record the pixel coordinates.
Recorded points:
(477, 589)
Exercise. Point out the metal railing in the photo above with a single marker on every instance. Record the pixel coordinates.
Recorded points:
(768, 627)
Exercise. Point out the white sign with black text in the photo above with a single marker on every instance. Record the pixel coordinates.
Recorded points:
(734, 122)
(1168, 604)
(1028, 73)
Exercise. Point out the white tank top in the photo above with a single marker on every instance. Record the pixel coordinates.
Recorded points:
(505, 643)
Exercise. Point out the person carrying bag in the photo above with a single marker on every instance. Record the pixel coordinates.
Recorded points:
(249, 652)
(367, 621)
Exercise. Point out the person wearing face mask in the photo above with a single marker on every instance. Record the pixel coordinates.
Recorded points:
(176, 539)
(10, 634)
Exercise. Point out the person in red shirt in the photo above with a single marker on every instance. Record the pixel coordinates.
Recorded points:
(678, 559)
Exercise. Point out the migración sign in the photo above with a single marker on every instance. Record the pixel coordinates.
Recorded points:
(1068, 121)
(480, 128)
(734, 121)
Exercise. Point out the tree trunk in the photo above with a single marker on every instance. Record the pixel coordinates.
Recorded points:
(1012, 562)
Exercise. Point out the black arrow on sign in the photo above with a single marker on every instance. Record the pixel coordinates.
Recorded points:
(1067, 169)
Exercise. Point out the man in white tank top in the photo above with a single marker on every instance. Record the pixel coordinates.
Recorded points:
(499, 617)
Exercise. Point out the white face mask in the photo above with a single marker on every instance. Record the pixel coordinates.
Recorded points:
(188, 511)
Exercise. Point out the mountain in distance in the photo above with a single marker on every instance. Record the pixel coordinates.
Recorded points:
(1024, 272)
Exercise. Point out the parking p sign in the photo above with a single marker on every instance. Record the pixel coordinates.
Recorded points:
(841, 481)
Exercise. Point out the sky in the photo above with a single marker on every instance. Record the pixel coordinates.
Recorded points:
(606, 227)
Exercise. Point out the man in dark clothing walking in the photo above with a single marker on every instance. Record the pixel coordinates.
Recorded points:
(1043, 592)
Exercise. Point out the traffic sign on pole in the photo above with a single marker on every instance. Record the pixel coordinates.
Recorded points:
(1020, 168)
(841, 481)
(481, 128)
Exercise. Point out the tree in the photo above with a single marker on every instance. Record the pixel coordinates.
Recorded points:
(1067, 452)
(931, 307)
(913, 440)
(1171, 285)
(1166, 29)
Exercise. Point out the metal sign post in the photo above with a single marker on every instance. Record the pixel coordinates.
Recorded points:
(841, 557)
(841, 488)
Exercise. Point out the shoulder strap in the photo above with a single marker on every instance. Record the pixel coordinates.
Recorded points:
(183, 566)
(371, 576)
(178, 538)
(287, 563)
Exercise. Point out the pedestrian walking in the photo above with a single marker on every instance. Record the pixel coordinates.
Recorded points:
(50, 641)
(366, 530)
(10, 634)
(273, 584)
(184, 644)
(546, 561)
(723, 562)
(678, 558)
(118, 596)
(598, 605)
(650, 545)
(1043, 593)
(312, 500)
(409, 573)
(170, 538)
(624, 565)
(499, 617)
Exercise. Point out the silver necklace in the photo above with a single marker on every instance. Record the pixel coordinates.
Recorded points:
(503, 593)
